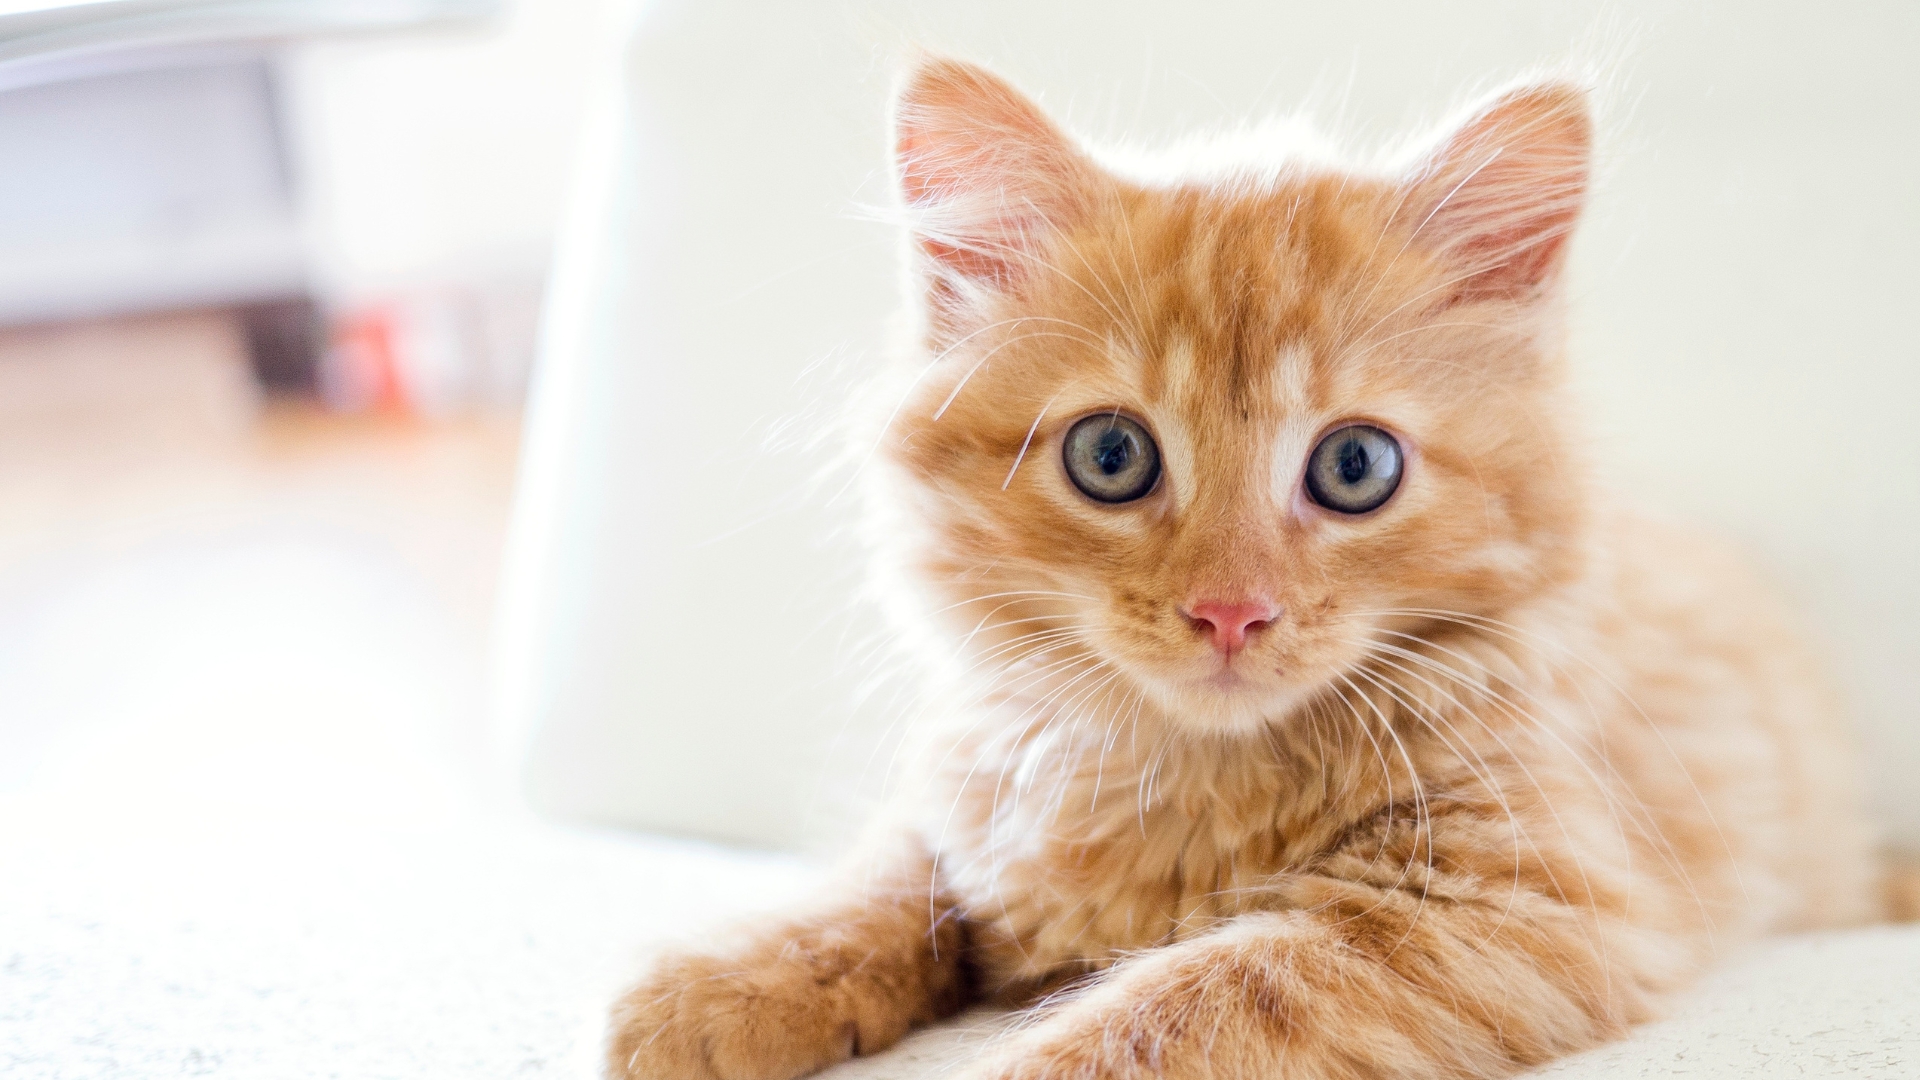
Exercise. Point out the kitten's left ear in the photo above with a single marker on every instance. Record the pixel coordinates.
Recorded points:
(1500, 194)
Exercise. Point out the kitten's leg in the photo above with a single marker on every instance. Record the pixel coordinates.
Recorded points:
(786, 996)
(1369, 967)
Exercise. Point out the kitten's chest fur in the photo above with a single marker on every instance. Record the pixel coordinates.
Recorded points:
(1066, 851)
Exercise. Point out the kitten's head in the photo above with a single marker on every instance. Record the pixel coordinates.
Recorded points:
(1219, 433)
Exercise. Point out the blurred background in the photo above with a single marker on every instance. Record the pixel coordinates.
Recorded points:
(416, 410)
(269, 281)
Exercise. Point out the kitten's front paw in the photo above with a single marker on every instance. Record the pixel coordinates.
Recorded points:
(727, 1018)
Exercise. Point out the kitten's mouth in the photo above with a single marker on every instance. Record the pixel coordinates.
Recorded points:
(1227, 679)
(1229, 698)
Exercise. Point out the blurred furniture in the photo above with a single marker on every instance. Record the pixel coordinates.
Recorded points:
(146, 164)
(42, 40)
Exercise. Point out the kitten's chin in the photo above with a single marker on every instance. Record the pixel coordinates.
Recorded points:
(1226, 702)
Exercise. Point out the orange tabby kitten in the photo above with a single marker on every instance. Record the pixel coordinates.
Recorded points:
(1309, 713)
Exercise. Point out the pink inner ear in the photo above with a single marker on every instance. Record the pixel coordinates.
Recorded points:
(1502, 193)
(986, 174)
(934, 173)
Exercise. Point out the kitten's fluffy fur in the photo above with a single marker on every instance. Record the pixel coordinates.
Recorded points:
(1507, 764)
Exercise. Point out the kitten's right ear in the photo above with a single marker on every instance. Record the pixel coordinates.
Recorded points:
(1501, 192)
(985, 176)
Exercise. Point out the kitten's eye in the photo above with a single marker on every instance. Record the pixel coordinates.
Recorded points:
(1354, 470)
(1111, 458)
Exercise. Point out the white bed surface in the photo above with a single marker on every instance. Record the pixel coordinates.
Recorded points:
(1828, 1005)
(466, 952)
(270, 948)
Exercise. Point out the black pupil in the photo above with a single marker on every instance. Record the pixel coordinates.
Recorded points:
(1114, 452)
(1353, 461)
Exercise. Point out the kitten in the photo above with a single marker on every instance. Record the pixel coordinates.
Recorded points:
(1308, 711)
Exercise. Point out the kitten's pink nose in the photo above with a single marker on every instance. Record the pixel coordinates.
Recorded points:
(1228, 624)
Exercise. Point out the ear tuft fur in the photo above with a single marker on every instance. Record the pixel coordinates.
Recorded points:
(984, 174)
(1502, 191)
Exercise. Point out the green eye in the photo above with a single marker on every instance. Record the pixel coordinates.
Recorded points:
(1354, 469)
(1111, 458)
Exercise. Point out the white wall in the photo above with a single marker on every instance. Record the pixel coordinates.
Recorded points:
(677, 646)
(442, 155)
